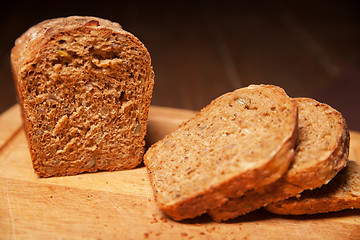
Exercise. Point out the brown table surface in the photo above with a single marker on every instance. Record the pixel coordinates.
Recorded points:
(202, 49)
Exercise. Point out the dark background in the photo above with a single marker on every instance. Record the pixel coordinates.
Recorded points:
(202, 49)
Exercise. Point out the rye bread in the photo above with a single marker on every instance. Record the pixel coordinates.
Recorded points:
(342, 192)
(84, 86)
(322, 150)
(240, 141)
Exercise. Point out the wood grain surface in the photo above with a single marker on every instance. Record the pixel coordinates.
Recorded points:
(120, 205)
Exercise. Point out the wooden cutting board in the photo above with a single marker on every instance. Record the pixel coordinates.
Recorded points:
(120, 205)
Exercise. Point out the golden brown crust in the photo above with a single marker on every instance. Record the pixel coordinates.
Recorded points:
(84, 86)
(28, 45)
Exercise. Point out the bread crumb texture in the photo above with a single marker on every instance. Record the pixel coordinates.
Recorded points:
(231, 146)
(322, 146)
(85, 87)
(321, 151)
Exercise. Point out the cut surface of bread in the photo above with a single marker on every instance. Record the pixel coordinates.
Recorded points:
(84, 85)
(321, 151)
(242, 140)
(343, 192)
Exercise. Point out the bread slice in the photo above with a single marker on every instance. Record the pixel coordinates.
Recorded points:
(322, 150)
(242, 140)
(343, 192)
(84, 85)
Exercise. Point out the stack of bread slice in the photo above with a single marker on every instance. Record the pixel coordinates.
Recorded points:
(321, 151)
(248, 149)
(342, 192)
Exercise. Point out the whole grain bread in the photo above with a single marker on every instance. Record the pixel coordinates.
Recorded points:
(242, 140)
(343, 192)
(84, 85)
(322, 150)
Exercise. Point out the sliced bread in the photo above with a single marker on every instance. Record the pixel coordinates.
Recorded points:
(241, 141)
(322, 150)
(84, 85)
(343, 192)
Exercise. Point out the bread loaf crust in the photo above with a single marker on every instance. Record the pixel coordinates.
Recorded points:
(82, 77)
(29, 44)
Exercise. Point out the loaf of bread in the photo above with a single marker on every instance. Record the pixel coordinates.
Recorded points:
(84, 86)
(241, 141)
(343, 192)
(322, 150)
